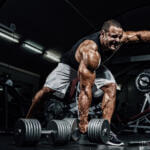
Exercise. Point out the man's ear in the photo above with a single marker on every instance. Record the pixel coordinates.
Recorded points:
(102, 33)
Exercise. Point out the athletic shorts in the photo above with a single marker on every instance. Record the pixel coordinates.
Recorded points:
(59, 79)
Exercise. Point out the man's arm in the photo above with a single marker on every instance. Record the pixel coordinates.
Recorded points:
(89, 62)
(136, 36)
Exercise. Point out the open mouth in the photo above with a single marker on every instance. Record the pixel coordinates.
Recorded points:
(114, 45)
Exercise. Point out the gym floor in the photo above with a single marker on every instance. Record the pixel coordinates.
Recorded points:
(7, 143)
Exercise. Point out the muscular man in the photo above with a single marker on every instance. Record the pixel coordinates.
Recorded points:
(85, 60)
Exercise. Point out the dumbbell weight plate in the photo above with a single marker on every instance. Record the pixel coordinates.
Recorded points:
(32, 129)
(61, 134)
(27, 132)
(95, 130)
(74, 130)
(98, 130)
(105, 132)
(20, 132)
(36, 130)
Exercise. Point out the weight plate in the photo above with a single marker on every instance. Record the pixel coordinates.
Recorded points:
(98, 130)
(105, 130)
(61, 135)
(38, 129)
(73, 130)
(20, 132)
(32, 128)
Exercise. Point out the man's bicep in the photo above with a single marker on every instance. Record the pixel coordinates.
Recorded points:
(90, 55)
(92, 60)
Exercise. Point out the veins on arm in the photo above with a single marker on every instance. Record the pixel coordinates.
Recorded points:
(136, 36)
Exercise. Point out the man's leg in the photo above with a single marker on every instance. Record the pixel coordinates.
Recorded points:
(38, 101)
(109, 100)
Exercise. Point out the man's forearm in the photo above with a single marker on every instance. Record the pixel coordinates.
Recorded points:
(85, 98)
(136, 36)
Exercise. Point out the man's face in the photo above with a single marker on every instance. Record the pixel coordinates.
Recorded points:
(112, 38)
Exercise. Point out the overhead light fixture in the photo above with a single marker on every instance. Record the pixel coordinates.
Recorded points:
(52, 55)
(32, 47)
(12, 37)
(7, 37)
(8, 34)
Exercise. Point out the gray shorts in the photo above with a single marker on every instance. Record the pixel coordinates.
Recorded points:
(59, 79)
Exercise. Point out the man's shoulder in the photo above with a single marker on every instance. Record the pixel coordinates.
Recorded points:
(88, 42)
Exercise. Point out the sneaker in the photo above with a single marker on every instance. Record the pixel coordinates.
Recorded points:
(113, 140)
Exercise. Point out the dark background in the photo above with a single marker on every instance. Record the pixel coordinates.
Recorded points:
(58, 24)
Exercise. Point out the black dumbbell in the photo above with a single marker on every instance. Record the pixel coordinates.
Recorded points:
(28, 132)
(98, 130)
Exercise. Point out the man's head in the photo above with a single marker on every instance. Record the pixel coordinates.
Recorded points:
(111, 34)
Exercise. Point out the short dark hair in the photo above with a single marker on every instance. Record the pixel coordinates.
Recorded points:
(107, 24)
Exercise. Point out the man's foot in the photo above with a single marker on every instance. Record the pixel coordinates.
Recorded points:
(113, 140)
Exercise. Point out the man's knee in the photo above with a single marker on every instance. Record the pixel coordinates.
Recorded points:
(42, 93)
(47, 90)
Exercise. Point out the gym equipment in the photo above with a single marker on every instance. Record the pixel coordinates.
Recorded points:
(142, 83)
(98, 130)
(59, 132)
(28, 132)
(75, 133)
(134, 111)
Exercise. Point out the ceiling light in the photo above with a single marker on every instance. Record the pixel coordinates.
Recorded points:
(9, 38)
(33, 47)
(52, 55)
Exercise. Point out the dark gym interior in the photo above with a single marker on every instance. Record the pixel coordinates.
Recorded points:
(35, 34)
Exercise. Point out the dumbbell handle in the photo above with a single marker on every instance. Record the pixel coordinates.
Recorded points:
(48, 131)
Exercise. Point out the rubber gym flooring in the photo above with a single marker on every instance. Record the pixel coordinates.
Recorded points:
(7, 143)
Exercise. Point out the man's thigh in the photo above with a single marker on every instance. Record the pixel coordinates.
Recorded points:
(60, 78)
